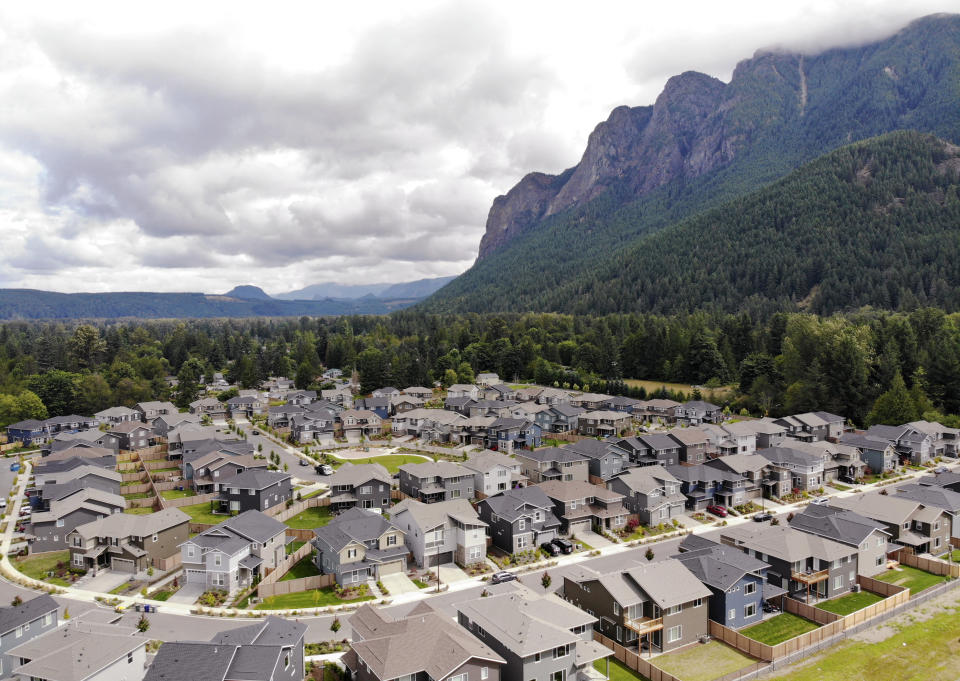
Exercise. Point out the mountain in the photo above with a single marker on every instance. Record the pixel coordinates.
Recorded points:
(420, 288)
(701, 144)
(247, 292)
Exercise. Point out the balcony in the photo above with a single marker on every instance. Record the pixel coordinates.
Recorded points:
(810, 576)
(644, 625)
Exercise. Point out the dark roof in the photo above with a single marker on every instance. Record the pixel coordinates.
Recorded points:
(595, 449)
(720, 566)
(940, 480)
(255, 526)
(29, 424)
(553, 454)
(700, 404)
(13, 616)
(656, 441)
(256, 478)
(273, 631)
(354, 524)
(178, 660)
(506, 504)
(565, 409)
(938, 497)
(847, 527)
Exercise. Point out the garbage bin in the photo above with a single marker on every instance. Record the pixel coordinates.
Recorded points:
(138, 607)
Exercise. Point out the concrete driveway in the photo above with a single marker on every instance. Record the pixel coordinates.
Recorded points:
(106, 581)
(188, 594)
(450, 573)
(593, 539)
(398, 583)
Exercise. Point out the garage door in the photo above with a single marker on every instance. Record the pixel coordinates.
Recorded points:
(122, 565)
(196, 576)
(434, 560)
(579, 526)
(390, 568)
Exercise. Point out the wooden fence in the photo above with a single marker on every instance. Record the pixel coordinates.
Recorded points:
(174, 561)
(282, 513)
(295, 585)
(136, 489)
(188, 501)
(810, 612)
(933, 565)
(633, 660)
(892, 599)
(141, 503)
(301, 535)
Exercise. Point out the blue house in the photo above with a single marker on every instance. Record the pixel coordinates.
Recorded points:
(737, 581)
(705, 485)
(508, 434)
(27, 432)
(378, 405)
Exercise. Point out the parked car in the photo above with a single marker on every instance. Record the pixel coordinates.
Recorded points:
(15, 466)
(847, 479)
(502, 576)
(717, 510)
(3, 503)
(819, 501)
(255, 432)
(550, 548)
(941, 469)
(565, 545)
(770, 607)
(304, 462)
(762, 517)
(324, 469)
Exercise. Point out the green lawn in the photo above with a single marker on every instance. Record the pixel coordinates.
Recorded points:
(839, 487)
(310, 518)
(176, 494)
(391, 462)
(618, 670)
(138, 495)
(143, 510)
(953, 556)
(312, 494)
(315, 598)
(778, 629)
(303, 568)
(703, 662)
(200, 513)
(923, 651)
(912, 578)
(420, 583)
(37, 566)
(844, 605)
(294, 545)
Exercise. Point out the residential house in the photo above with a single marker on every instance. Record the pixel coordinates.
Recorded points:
(553, 463)
(255, 489)
(341, 396)
(805, 565)
(658, 606)
(419, 391)
(554, 396)
(72, 458)
(737, 438)
(434, 481)
(463, 390)
(493, 472)
(620, 403)
(808, 427)
(245, 406)
(582, 507)
(500, 391)
(269, 650)
(279, 416)
(364, 485)
(386, 647)
(92, 438)
(132, 435)
(231, 555)
(162, 425)
(64, 512)
(949, 480)
(695, 412)
(314, 424)
(28, 432)
(766, 431)
(736, 581)
(589, 401)
(868, 536)
(405, 403)
(878, 454)
(359, 545)
(603, 423)
(210, 472)
(430, 425)
(565, 417)
(301, 397)
(360, 423)
(48, 484)
(539, 636)
(22, 623)
(387, 392)
(442, 533)
(705, 485)
(693, 445)
(117, 415)
(378, 405)
(209, 406)
(653, 449)
(751, 467)
(803, 471)
(510, 434)
(651, 493)
(605, 459)
(128, 543)
(151, 410)
(940, 498)
(519, 519)
(839, 460)
(658, 410)
(81, 651)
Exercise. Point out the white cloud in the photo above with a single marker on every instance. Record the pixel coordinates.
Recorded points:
(195, 147)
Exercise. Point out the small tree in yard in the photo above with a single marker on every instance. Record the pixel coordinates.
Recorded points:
(335, 625)
(143, 624)
(649, 554)
(16, 601)
(546, 580)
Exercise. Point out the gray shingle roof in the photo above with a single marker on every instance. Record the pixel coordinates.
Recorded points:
(13, 616)
(931, 496)
(354, 524)
(257, 479)
(508, 504)
(720, 566)
(845, 526)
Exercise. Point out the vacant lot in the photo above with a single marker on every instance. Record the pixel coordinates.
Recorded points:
(844, 605)
(703, 662)
(317, 516)
(653, 386)
(912, 578)
(391, 462)
(778, 629)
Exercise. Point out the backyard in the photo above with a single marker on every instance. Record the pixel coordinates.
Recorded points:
(391, 462)
(318, 516)
(143, 510)
(844, 605)
(201, 513)
(618, 670)
(314, 598)
(703, 662)
(952, 556)
(303, 568)
(912, 578)
(176, 493)
(778, 629)
(39, 565)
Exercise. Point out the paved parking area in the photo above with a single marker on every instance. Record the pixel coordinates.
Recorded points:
(398, 583)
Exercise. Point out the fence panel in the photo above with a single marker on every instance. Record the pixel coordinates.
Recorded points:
(287, 563)
(142, 503)
(188, 501)
(810, 612)
(933, 565)
(294, 585)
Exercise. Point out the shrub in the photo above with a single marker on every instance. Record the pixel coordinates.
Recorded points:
(649, 554)
(335, 625)
(16, 601)
(143, 623)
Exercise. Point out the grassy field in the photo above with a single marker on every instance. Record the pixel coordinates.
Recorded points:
(912, 578)
(201, 513)
(315, 598)
(653, 386)
(391, 462)
(618, 670)
(303, 568)
(176, 493)
(318, 516)
(923, 651)
(37, 566)
(844, 605)
(778, 629)
(703, 662)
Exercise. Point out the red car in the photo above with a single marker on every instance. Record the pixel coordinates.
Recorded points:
(717, 510)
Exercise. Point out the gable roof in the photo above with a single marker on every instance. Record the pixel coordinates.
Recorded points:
(12, 616)
(842, 525)
(571, 490)
(785, 542)
(720, 566)
(938, 497)
(489, 459)
(74, 652)
(354, 525)
(254, 525)
(357, 474)
(257, 478)
(548, 454)
(128, 525)
(509, 504)
(429, 516)
(646, 478)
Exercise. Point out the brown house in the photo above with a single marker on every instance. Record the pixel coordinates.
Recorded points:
(127, 542)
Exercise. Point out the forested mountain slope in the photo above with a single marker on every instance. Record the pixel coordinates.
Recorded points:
(703, 143)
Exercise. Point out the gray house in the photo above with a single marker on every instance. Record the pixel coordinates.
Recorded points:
(422, 645)
(869, 537)
(925, 529)
(21, 623)
(942, 498)
(49, 528)
(442, 533)
(519, 519)
(539, 637)
(651, 493)
(49, 485)
(493, 472)
(256, 490)
(270, 650)
(695, 412)
(554, 463)
(661, 605)
(360, 545)
(364, 485)
(605, 459)
(81, 651)
(436, 481)
(230, 555)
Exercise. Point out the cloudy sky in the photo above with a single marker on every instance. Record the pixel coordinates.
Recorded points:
(194, 147)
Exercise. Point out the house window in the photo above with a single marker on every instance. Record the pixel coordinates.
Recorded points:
(191, 552)
(936, 525)
(879, 561)
(458, 677)
(697, 602)
(936, 543)
(881, 541)
(130, 657)
(522, 541)
(484, 673)
(286, 661)
(392, 540)
(732, 615)
(561, 651)
(616, 608)
(522, 524)
(750, 588)
(673, 610)
(454, 494)
(20, 631)
(156, 537)
(217, 559)
(48, 619)
(749, 610)
(351, 553)
(60, 522)
(559, 675)
(536, 657)
(675, 633)
(838, 582)
(250, 492)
